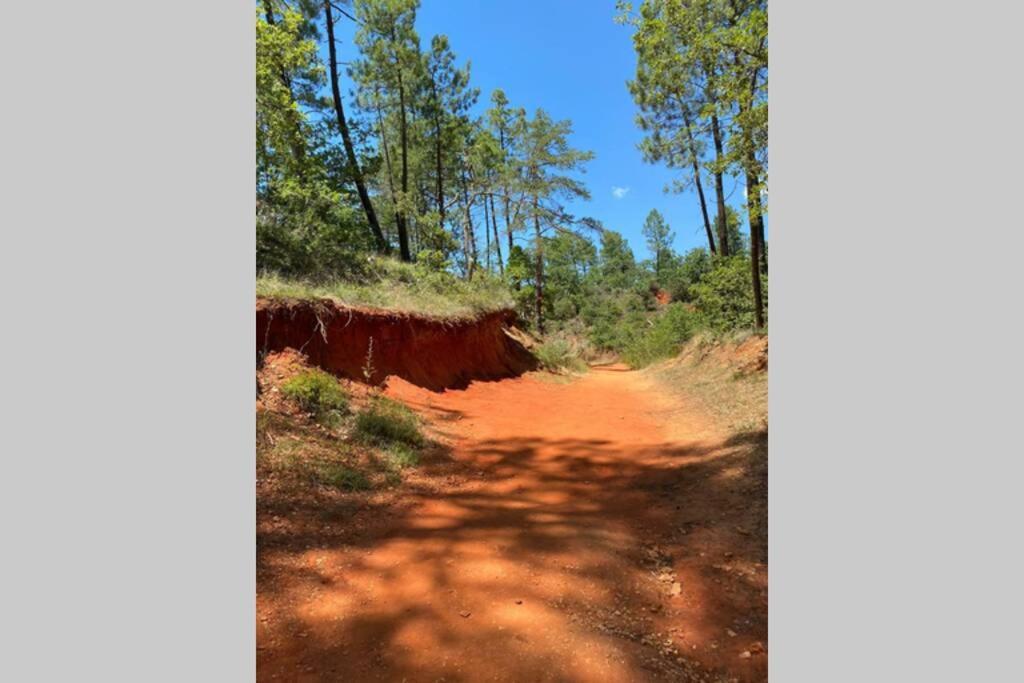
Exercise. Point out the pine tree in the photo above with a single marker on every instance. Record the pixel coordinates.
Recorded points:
(391, 67)
(659, 238)
(547, 160)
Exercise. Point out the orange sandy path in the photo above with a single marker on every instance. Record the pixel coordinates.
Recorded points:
(549, 552)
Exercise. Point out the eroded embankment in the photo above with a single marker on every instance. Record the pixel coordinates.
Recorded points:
(431, 353)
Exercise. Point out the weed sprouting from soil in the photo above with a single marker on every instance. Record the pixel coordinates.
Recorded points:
(368, 369)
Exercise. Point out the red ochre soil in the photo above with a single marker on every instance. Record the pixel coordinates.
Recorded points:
(430, 353)
(597, 530)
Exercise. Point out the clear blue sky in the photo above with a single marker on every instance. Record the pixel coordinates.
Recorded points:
(570, 58)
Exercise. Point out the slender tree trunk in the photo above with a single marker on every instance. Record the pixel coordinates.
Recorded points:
(504, 188)
(756, 221)
(470, 238)
(497, 242)
(339, 110)
(439, 166)
(508, 226)
(387, 159)
(539, 274)
(696, 180)
(487, 234)
(403, 231)
(754, 216)
(764, 249)
(723, 231)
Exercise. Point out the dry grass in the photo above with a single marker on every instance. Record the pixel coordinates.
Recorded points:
(395, 286)
(293, 452)
(727, 378)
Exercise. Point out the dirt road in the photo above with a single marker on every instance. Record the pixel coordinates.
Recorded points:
(595, 530)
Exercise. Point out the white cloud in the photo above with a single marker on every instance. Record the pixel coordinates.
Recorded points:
(619, 192)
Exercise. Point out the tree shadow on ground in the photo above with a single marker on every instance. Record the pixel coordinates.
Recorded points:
(487, 561)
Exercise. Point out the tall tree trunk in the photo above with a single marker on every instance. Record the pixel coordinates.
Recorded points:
(439, 166)
(764, 249)
(468, 231)
(487, 234)
(696, 180)
(497, 242)
(539, 274)
(339, 110)
(754, 216)
(504, 188)
(508, 226)
(387, 159)
(403, 231)
(723, 231)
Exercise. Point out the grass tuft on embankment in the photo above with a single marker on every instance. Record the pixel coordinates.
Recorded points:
(313, 428)
(392, 285)
(726, 376)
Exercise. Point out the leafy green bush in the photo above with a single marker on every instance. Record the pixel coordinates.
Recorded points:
(386, 422)
(663, 337)
(559, 355)
(303, 230)
(317, 393)
(613, 318)
(683, 272)
(725, 297)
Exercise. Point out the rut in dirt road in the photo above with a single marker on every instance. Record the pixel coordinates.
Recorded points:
(586, 531)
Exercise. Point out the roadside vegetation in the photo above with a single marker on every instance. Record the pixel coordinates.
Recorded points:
(727, 377)
(386, 283)
(313, 428)
(558, 354)
(319, 394)
(602, 300)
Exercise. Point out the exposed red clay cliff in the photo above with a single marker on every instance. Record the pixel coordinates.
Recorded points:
(431, 353)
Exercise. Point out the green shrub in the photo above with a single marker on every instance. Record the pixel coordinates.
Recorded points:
(559, 355)
(339, 476)
(613, 318)
(400, 456)
(725, 296)
(317, 393)
(304, 230)
(685, 271)
(663, 337)
(387, 422)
